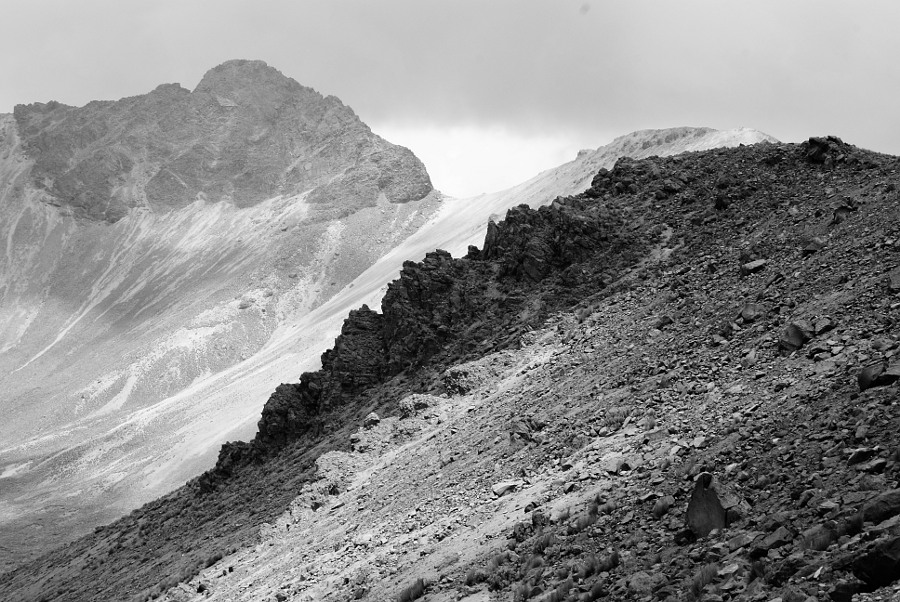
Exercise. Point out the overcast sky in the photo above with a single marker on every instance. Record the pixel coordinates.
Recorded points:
(489, 92)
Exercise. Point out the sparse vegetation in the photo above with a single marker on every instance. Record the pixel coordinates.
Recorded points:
(543, 542)
(615, 417)
(582, 523)
(702, 578)
(412, 592)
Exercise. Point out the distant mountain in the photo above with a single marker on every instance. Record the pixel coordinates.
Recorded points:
(245, 134)
(152, 242)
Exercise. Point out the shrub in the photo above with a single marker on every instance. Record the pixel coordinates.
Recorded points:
(413, 592)
(607, 507)
(608, 562)
(597, 592)
(534, 561)
(615, 417)
(703, 578)
(543, 542)
(589, 567)
(521, 592)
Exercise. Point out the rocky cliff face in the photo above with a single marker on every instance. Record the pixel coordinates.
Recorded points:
(246, 133)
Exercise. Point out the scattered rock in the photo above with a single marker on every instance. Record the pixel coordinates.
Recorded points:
(894, 281)
(882, 507)
(813, 246)
(662, 506)
(751, 312)
(753, 266)
(795, 335)
(879, 565)
(503, 487)
(818, 537)
(861, 455)
(878, 375)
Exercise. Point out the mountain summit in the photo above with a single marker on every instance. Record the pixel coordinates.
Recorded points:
(246, 133)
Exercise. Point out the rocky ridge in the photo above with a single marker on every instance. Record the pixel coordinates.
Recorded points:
(677, 385)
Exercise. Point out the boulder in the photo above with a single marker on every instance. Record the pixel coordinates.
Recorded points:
(879, 565)
(711, 506)
(882, 507)
(894, 281)
(753, 266)
(795, 335)
(751, 312)
(878, 375)
(503, 487)
(817, 149)
(814, 246)
(818, 537)
(861, 454)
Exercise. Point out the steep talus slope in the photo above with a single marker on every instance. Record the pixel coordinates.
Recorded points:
(680, 384)
(230, 301)
(151, 245)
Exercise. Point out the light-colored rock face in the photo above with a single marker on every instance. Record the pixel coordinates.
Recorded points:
(129, 351)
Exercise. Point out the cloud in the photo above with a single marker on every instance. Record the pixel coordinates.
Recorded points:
(542, 69)
(465, 161)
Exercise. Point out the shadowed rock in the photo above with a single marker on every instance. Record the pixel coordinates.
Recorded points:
(711, 506)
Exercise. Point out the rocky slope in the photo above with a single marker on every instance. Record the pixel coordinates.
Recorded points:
(150, 246)
(195, 310)
(680, 384)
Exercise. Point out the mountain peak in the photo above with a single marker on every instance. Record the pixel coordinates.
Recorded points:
(243, 74)
(251, 83)
(244, 134)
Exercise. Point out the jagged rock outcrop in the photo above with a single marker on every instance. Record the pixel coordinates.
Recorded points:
(246, 133)
(356, 361)
(530, 245)
(446, 306)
